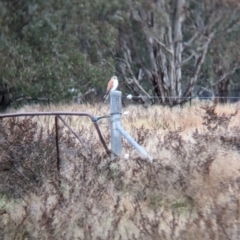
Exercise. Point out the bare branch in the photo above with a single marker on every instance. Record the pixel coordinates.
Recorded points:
(133, 77)
(233, 21)
(163, 45)
(185, 61)
(198, 66)
(191, 40)
(225, 75)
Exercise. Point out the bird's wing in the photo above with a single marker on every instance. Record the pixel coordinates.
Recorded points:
(110, 85)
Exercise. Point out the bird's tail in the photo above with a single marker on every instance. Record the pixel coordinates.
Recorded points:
(106, 96)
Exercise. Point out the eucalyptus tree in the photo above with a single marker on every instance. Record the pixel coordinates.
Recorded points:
(49, 47)
(165, 43)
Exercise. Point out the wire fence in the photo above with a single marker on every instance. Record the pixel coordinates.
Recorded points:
(169, 97)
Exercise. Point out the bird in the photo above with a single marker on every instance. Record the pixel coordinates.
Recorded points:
(112, 86)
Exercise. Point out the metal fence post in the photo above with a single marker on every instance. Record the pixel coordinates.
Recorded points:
(134, 143)
(116, 129)
(116, 114)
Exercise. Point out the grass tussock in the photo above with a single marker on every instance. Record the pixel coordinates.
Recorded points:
(190, 191)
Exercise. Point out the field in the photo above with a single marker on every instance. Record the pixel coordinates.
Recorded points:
(190, 191)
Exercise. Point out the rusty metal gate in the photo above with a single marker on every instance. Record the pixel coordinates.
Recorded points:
(58, 117)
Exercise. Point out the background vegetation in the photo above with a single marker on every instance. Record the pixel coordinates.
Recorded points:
(190, 191)
(163, 51)
(56, 49)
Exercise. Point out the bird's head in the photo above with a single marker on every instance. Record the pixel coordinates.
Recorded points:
(114, 78)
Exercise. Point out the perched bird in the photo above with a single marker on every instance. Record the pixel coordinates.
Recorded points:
(112, 85)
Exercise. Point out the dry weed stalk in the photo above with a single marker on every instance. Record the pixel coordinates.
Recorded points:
(179, 196)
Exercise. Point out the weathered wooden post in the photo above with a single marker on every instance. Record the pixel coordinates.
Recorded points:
(117, 130)
(116, 111)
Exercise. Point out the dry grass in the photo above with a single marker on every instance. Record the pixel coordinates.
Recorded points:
(190, 191)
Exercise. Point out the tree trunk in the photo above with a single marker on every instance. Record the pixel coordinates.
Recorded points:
(223, 90)
(174, 41)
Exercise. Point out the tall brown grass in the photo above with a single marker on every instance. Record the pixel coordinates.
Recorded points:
(190, 191)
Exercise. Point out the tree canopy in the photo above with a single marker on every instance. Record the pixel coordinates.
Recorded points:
(57, 48)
